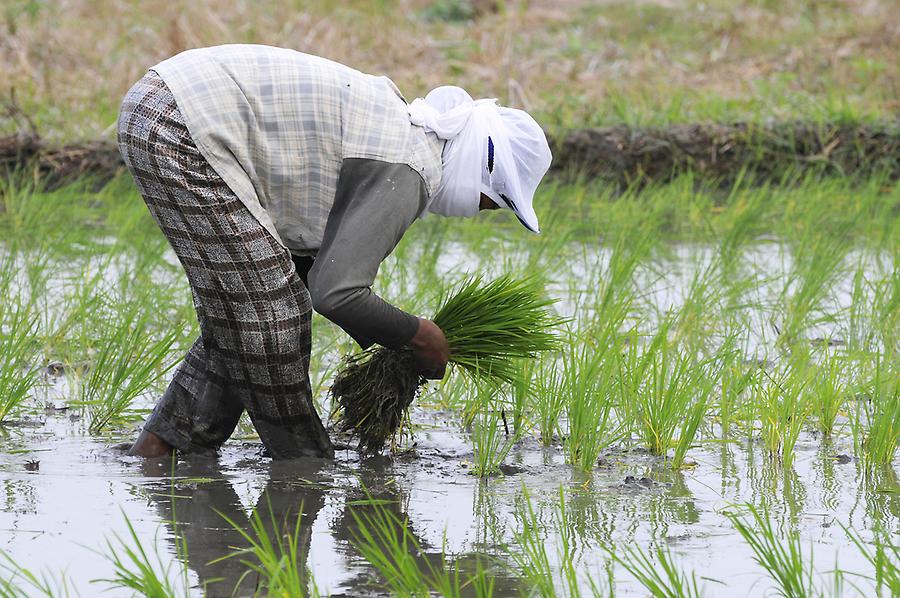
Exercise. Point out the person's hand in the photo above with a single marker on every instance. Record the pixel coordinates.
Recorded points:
(430, 350)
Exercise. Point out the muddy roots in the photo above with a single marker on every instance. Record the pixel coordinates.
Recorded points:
(373, 392)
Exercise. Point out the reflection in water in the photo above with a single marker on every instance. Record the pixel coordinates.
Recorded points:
(824, 471)
(202, 495)
(881, 492)
(775, 488)
(193, 498)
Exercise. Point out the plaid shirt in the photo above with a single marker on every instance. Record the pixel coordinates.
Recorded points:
(276, 125)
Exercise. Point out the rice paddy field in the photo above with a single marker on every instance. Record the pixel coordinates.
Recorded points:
(721, 413)
(720, 420)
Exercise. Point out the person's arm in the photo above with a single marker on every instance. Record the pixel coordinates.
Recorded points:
(374, 204)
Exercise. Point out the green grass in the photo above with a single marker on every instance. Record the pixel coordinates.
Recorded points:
(665, 393)
(17, 368)
(828, 391)
(17, 581)
(143, 571)
(782, 410)
(491, 438)
(876, 419)
(670, 293)
(490, 325)
(275, 556)
(781, 555)
(384, 540)
(129, 360)
(657, 572)
(587, 385)
(883, 554)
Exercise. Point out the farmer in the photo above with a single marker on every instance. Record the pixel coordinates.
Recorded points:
(272, 172)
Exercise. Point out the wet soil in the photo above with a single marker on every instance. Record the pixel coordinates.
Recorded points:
(621, 154)
(57, 516)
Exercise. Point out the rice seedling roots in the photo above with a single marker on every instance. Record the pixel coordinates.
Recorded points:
(373, 391)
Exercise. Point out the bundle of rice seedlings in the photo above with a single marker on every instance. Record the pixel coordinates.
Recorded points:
(488, 325)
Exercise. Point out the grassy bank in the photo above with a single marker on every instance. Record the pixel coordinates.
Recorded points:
(575, 64)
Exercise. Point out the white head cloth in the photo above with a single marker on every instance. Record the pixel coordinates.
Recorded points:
(519, 158)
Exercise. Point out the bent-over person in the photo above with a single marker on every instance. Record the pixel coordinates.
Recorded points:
(282, 181)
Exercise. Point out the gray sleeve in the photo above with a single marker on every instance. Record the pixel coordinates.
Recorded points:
(374, 204)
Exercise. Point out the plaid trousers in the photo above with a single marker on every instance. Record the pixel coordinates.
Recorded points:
(254, 310)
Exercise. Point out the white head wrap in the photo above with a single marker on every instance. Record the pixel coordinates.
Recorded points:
(508, 172)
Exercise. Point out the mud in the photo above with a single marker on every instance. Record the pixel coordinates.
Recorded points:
(721, 151)
(64, 494)
(57, 517)
(621, 154)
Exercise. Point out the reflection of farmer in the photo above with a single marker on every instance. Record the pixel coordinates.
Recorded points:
(248, 156)
(199, 510)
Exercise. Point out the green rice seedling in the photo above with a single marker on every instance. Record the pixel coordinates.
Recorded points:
(861, 332)
(17, 369)
(736, 377)
(884, 556)
(18, 582)
(130, 360)
(587, 380)
(782, 411)
(146, 574)
(887, 310)
(529, 551)
(275, 554)
(818, 260)
(782, 558)
(522, 391)
(828, 391)
(656, 571)
(549, 399)
(665, 392)
(491, 437)
(386, 543)
(488, 327)
(876, 420)
(746, 210)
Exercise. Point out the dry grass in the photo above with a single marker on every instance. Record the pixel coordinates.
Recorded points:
(572, 61)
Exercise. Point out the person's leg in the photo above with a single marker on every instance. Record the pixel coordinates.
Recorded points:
(254, 310)
(197, 413)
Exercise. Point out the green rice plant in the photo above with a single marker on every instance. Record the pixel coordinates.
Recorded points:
(827, 391)
(736, 377)
(491, 439)
(876, 419)
(130, 360)
(549, 399)
(18, 582)
(488, 325)
(143, 573)
(884, 557)
(587, 380)
(818, 260)
(533, 558)
(656, 571)
(17, 368)
(887, 310)
(275, 554)
(386, 543)
(782, 411)
(782, 557)
(665, 392)
(522, 393)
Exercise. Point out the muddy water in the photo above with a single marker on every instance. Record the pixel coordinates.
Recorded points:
(65, 494)
(58, 517)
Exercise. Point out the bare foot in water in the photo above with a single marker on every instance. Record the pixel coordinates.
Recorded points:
(150, 445)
